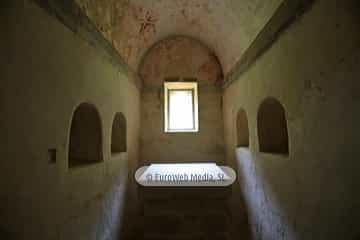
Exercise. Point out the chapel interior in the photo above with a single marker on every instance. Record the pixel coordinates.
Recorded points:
(94, 90)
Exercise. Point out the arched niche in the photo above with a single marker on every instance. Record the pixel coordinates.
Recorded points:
(272, 127)
(85, 145)
(242, 129)
(118, 134)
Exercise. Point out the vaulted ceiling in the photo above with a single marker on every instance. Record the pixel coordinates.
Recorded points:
(227, 27)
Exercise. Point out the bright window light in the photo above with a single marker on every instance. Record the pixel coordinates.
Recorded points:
(181, 107)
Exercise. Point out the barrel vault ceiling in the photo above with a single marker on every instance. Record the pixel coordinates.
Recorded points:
(227, 27)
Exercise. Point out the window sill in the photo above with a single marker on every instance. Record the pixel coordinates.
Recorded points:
(271, 155)
(84, 165)
(181, 131)
(119, 156)
(242, 149)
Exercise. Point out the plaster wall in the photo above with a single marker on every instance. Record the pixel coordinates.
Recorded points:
(46, 72)
(181, 57)
(313, 70)
(133, 26)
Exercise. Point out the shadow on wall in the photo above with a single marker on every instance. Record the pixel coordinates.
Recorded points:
(118, 134)
(85, 145)
(242, 128)
(259, 198)
(272, 127)
(267, 216)
(240, 214)
(238, 204)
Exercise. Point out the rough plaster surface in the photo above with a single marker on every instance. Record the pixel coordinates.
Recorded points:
(313, 70)
(227, 27)
(185, 58)
(49, 71)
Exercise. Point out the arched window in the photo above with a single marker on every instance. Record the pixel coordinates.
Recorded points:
(272, 127)
(85, 145)
(118, 135)
(242, 129)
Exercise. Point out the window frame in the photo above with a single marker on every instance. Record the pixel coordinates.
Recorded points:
(178, 86)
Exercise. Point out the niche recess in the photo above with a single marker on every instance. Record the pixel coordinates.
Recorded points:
(85, 145)
(118, 135)
(242, 129)
(272, 127)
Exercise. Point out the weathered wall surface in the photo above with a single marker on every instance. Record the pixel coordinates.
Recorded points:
(46, 72)
(313, 70)
(185, 58)
(133, 26)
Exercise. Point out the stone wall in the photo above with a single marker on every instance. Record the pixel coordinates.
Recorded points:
(313, 70)
(47, 70)
(181, 57)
